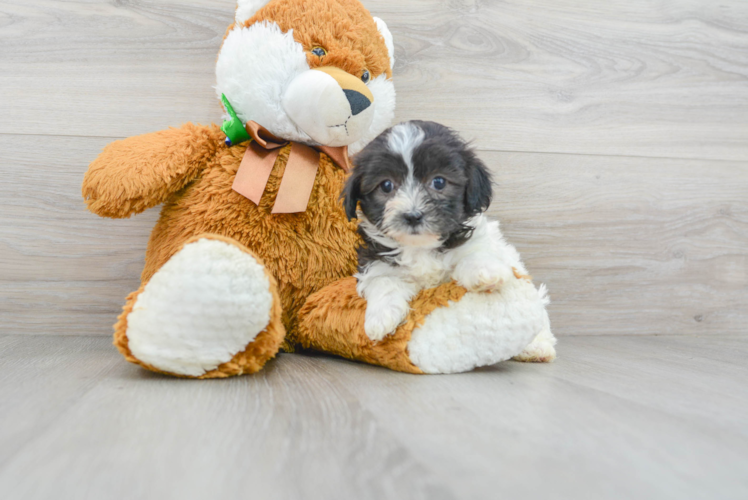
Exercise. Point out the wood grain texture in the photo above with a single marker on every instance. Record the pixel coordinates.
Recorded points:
(613, 418)
(626, 245)
(630, 245)
(644, 77)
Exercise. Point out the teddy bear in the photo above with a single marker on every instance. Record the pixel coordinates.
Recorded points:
(253, 252)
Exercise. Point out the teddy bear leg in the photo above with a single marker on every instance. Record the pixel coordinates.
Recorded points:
(542, 348)
(211, 311)
(448, 330)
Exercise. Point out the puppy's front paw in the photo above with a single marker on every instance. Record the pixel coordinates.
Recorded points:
(485, 276)
(381, 320)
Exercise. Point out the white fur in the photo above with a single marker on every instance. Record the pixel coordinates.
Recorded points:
(384, 111)
(207, 303)
(541, 349)
(404, 138)
(482, 263)
(247, 8)
(256, 67)
(317, 104)
(482, 328)
(479, 330)
(387, 295)
(410, 198)
(388, 41)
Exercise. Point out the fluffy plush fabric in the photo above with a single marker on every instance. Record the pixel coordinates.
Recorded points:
(542, 348)
(207, 303)
(135, 174)
(344, 28)
(384, 111)
(255, 66)
(247, 8)
(269, 47)
(191, 171)
(446, 331)
(388, 40)
(332, 321)
(479, 330)
(248, 359)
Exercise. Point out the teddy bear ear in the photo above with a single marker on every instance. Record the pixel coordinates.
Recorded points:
(247, 8)
(385, 31)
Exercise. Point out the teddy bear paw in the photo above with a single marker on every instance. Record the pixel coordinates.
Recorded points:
(207, 303)
(540, 350)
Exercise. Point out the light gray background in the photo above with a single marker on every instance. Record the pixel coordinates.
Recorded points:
(618, 136)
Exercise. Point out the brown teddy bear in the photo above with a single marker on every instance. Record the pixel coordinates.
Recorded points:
(253, 251)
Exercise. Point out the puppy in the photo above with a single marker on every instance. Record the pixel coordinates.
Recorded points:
(419, 193)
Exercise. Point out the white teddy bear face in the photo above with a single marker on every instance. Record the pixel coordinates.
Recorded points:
(265, 75)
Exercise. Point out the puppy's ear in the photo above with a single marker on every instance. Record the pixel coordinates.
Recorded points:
(478, 190)
(351, 194)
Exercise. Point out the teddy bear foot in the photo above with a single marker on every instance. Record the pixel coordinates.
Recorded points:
(480, 329)
(540, 350)
(447, 330)
(210, 311)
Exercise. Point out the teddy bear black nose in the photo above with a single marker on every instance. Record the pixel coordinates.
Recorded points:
(358, 101)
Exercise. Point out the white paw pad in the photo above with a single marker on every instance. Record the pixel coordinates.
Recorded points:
(207, 303)
(380, 321)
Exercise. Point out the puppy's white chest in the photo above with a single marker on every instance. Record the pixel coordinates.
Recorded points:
(424, 267)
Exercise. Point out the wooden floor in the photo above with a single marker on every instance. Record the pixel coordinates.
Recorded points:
(617, 132)
(616, 417)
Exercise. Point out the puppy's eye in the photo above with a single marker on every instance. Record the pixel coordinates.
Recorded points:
(319, 52)
(439, 183)
(366, 76)
(387, 186)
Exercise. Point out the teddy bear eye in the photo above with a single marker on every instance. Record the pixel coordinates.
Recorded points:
(366, 76)
(319, 52)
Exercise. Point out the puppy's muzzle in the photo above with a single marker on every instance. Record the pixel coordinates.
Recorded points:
(413, 219)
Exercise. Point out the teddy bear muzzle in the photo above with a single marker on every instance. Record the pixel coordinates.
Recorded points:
(330, 105)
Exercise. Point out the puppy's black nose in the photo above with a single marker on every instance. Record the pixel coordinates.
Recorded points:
(358, 101)
(413, 218)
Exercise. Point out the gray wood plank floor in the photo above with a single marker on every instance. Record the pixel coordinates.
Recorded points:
(618, 136)
(615, 417)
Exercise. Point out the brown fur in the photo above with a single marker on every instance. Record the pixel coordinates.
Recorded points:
(521, 276)
(191, 171)
(344, 28)
(332, 320)
(304, 252)
(263, 348)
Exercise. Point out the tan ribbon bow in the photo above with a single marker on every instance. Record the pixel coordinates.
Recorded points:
(298, 178)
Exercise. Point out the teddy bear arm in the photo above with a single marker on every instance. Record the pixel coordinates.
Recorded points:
(140, 172)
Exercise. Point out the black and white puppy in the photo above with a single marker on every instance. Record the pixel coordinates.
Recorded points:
(419, 192)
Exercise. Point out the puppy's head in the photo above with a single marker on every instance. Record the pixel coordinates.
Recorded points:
(417, 184)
